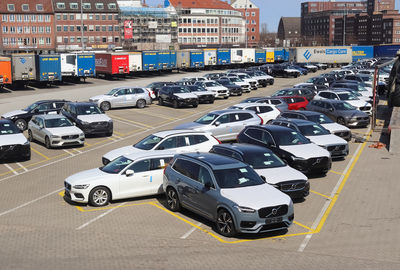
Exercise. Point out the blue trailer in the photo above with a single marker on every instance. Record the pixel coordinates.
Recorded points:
(48, 67)
(223, 57)
(281, 55)
(150, 60)
(172, 59)
(362, 52)
(196, 59)
(386, 50)
(86, 65)
(164, 60)
(261, 56)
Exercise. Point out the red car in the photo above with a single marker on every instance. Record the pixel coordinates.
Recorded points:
(296, 102)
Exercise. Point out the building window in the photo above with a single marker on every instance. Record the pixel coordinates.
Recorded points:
(99, 6)
(41, 29)
(5, 29)
(48, 29)
(97, 28)
(72, 39)
(4, 18)
(73, 5)
(112, 6)
(91, 28)
(25, 7)
(71, 28)
(104, 39)
(116, 28)
(58, 27)
(47, 18)
(65, 17)
(34, 41)
(58, 17)
(103, 28)
(60, 5)
(110, 28)
(110, 17)
(103, 17)
(27, 29)
(40, 18)
(5, 41)
(19, 18)
(116, 39)
(10, 7)
(86, 6)
(39, 7)
(65, 28)
(41, 41)
(34, 29)
(48, 41)
(19, 29)
(90, 16)
(253, 14)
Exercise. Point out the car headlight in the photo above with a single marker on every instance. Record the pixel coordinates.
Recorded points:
(110, 121)
(93, 100)
(55, 137)
(244, 209)
(81, 186)
(26, 143)
(298, 158)
(324, 146)
(85, 123)
(82, 135)
(275, 185)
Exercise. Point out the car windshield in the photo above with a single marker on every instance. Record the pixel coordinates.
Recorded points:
(237, 178)
(361, 88)
(320, 119)
(235, 108)
(8, 128)
(224, 82)
(313, 130)
(263, 160)
(260, 73)
(244, 76)
(178, 90)
(31, 107)
(148, 143)
(207, 119)
(235, 79)
(347, 96)
(366, 78)
(196, 88)
(57, 122)
(211, 84)
(112, 92)
(291, 138)
(117, 165)
(88, 109)
(343, 106)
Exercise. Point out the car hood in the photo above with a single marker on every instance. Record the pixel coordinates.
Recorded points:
(281, 174)
(123, 151)
(334, 127)
(203, 93)
(358, 103)
(186, 95)
(326, 140)
(216, 88)
(14, 113)
(250, 80)
(60, 131)
(101, 97)
(306, 151)
(10, 139)
(94, 118)
(191, 125)
(352, 113)
(256, 197)
(86, 177)
(242, 83)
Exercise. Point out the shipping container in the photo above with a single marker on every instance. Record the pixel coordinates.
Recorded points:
(249, 55)
(23, 67)
(172, 59)
(196, 59)
(270, 55)
(5, 71)
(281, 55)
(164, 60)
(150, 60)
(224, 57)
(260, 56)
(183, 59)
(68, 64)
(135, 61)
(362, 52)
(109, 64)
(327, 55)
(386, 50)
(210, 57)
(86, 63)
(48, 67)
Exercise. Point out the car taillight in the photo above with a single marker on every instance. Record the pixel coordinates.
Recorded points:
(262, 121)
(216, 139)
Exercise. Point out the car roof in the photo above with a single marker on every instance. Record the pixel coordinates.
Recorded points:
(228, 111)
(49, 100)
(166, 133)
(305, 113)
(272, 128)
(216, 162)
(81, 103)
(243, 147)
(331, 100)
(298, 122)
(248, 104)
(337, 91)
(150, 154)
(50, 116)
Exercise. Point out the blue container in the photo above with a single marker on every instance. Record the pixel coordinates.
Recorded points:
(197, 59)
(48, 67)
(86, 65)
(386, 50)
(261, 56)
(362, 52)
(223, 57)
(150, 60)
(172, 59)
(281, 55)
(164, 60)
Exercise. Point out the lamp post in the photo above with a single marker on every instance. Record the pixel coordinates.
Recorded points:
(245, 15)
(344, 24)
(83, 43)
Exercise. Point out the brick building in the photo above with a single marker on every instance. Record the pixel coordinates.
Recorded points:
(100, 24)
(27, 25)
(252, 16)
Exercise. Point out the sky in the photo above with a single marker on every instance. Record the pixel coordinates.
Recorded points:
(271, 11)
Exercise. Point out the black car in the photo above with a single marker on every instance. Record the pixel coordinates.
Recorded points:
(214, 76)
(289, 145)
(269, 166)
(308, 66)
(22, 117)
(13, 144)
(302, 70)
(156, 86)
(203, 94)
(88, 117)
(178, 96)
(284, 71)
(310, 86)
(233, 88)
(300, 92)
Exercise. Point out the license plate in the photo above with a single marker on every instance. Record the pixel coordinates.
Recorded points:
(273, 220)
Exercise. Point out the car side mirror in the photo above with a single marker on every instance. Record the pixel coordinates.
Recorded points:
(217, 123)
(207, 185)
(74, 123)
(331, 109)
(263, 178)
(129, 173)
(115, 95)
(35, 111)
(160, 147)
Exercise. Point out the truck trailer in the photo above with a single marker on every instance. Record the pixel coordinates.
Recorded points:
(196, 59)
(23, 67)
(135, 61)
(48, 68)
(150, 60)
(78, 65)
(333, 55)
(260, 56)
(210, 57)
(5, 71)
(182, 59)
(224, 57)
(360, 53)
(112, 64)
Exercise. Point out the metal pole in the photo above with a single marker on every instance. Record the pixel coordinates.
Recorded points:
(344, 25)
(245, 15)
(83, 43)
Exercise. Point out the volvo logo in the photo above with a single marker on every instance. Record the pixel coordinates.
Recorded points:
(317, 161)
(274, 211)
(293, 186)
(307, 54)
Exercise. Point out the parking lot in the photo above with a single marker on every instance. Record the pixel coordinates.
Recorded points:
(333, 227)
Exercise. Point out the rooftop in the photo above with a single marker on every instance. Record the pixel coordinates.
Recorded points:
(209, 4)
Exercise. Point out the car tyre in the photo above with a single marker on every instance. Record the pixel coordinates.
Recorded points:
(211, 101)
(226, 97)
(47, 142)
(195, 105)
(173, 202)
(141, 103)
(225, 224)
(160, 101)
(175, 104)
(30, 136)
(99, 196)
(105, 106)
(341, 121)
(21, 124)
(109, 134)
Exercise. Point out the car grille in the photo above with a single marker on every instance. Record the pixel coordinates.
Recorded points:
(70, 137)
(67, 185)
(273, 211)
(362, 118)
(221, 91)
(342, 134)
(252, 83)
(336, 148)
(316, 162)
(367, 108)
(292, 185)
(277, 226)
(10, 147)
(99, 124)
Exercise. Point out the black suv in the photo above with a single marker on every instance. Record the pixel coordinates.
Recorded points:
(156, 86)
(178, 96)
(233, 88)
(289, 145)
(22, 117)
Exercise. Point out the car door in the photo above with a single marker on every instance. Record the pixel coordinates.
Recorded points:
(157, 166)
(40, 135)
(34, 128)
(120, 98)
(174, 142)
(138, 93)
(329, 111)
(130, 97)
(138, 183)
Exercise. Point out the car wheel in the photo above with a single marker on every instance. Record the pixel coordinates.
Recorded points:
(173, 202)
(30, 136)
(99, 196)
(141, 103)
(105, 106)
(211, 101)
(109, 134)
(47, 142)
(341, 121)
(195, 105)
(226, 97)
(225, 224)
(160, 101)
(175, 104)
(239, 94)
(21, 124)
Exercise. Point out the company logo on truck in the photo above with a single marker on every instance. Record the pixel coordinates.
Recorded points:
(307, 54)
(336, 51)
(101, 62)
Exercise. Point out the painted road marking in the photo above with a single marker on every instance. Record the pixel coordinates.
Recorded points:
(186, 235)
(40, 154)
(327, 208)
(320, 194)
(129, 124)
(96, 218)
(23, 167)
(11, 169)
(68, 152)
(131, 121)
(335, 172)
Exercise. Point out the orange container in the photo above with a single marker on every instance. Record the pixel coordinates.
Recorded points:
(5, 71)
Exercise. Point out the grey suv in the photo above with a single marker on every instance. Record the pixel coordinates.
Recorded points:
(227, 192)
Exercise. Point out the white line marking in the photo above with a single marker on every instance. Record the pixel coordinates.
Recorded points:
(30, 202)
(11, 169)
(307, 238)
(186, 235)
(23, 167)
(129, 124)
(111, 138)
(79, 151)
(68, 152)
(97, 218)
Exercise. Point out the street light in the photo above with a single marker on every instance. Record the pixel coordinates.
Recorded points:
(245, 15)
(344, 24)
(83, 43)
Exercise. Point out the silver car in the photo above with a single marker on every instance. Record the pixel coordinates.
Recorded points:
(225, 125)
(123, 97)
(54, 130)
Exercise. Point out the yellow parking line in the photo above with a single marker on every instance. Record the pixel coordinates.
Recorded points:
(130, 121)
(320, 194)
(119, 133)
(40, 154)
(302, 225)
(157, 115)
(336, 172)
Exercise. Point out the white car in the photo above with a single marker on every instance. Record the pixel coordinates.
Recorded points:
(265, 111)
(54, 130)
(180, 141)
(239, 82)
(135, 175)
(246, 77)
(13, 144)
(218, 89)
(360, 104)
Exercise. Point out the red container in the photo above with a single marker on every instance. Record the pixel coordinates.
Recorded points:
(5, 71)
(112, 63)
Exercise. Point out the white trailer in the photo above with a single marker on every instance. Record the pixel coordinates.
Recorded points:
(334, 55)
(135, 61)
(237, 56)
(249, 55)
(210, 57)
(68, 64)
